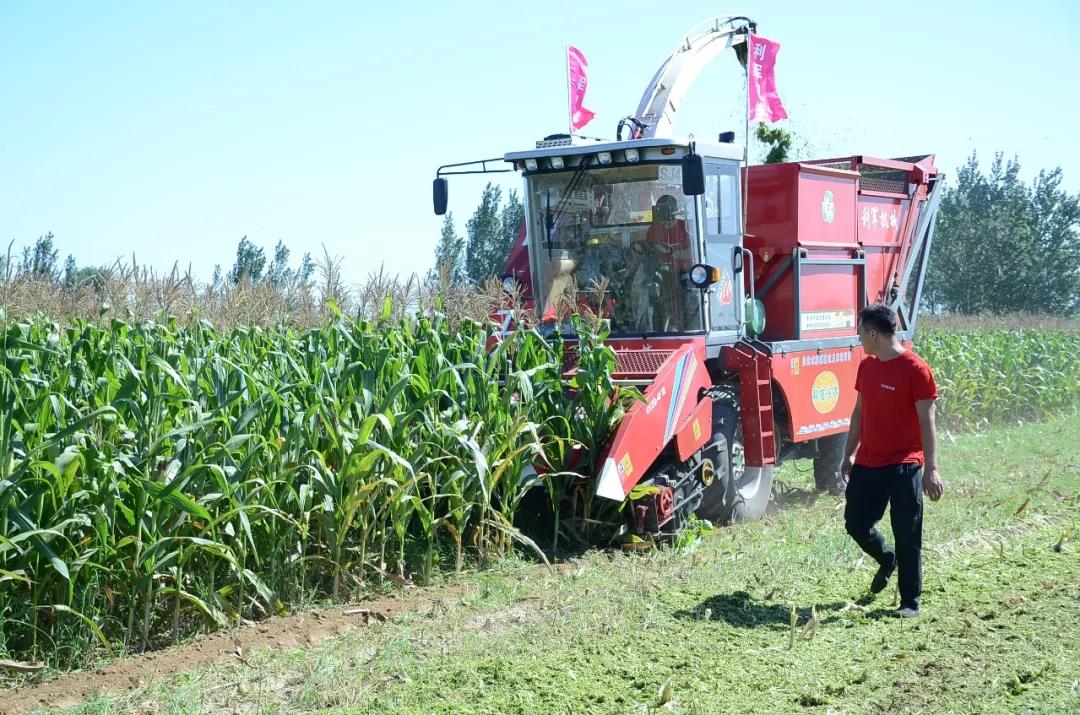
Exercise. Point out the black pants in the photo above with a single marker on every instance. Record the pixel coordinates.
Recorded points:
(869, 490)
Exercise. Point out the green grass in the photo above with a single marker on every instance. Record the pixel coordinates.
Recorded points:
(706, 629)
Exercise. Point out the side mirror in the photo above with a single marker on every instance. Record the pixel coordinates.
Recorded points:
(439, 195)
(693, 174)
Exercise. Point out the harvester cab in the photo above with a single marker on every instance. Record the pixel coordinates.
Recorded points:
(613, 228)
(731, 290)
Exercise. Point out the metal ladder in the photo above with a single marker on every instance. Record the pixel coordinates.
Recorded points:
(751, 360)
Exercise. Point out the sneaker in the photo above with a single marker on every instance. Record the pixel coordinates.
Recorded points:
(907, 612)
(881, 578)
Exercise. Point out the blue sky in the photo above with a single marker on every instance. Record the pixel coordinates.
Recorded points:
(170, 130)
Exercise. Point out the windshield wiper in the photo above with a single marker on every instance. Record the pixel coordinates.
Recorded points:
(549, 223)
(564, 199)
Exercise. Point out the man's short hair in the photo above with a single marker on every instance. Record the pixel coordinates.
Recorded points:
(880, 317)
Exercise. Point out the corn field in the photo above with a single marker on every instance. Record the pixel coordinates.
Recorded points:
(997, 376)
(159, 480)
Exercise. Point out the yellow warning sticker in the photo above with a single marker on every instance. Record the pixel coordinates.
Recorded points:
(626, 467)
(697, 429)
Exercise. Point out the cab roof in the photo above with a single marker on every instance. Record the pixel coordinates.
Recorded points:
(576, 146)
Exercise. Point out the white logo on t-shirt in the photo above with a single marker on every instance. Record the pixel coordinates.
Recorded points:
(888, 387)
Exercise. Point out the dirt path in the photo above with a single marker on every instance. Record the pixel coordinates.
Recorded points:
(300, 630)
(296, 631)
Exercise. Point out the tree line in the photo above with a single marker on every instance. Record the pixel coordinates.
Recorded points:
(489, 236)
(1001, 245)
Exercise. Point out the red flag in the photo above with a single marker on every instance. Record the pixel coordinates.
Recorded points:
(765, 105)
(578, 80)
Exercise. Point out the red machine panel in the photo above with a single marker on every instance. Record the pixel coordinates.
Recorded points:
(649, 426)
(883, 223)
(827, 302)
(802, 230)
(826, 207)
(818, 230)
(819, 390)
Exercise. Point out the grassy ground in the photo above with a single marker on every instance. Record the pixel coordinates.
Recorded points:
(707, 628)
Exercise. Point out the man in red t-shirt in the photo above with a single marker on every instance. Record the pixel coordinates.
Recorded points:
(891, 454)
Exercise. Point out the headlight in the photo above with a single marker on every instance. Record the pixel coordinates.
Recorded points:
(699, 276)
(703, 275)
(557, 162)
(604, 157)
(530, 164)
(632, 155)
